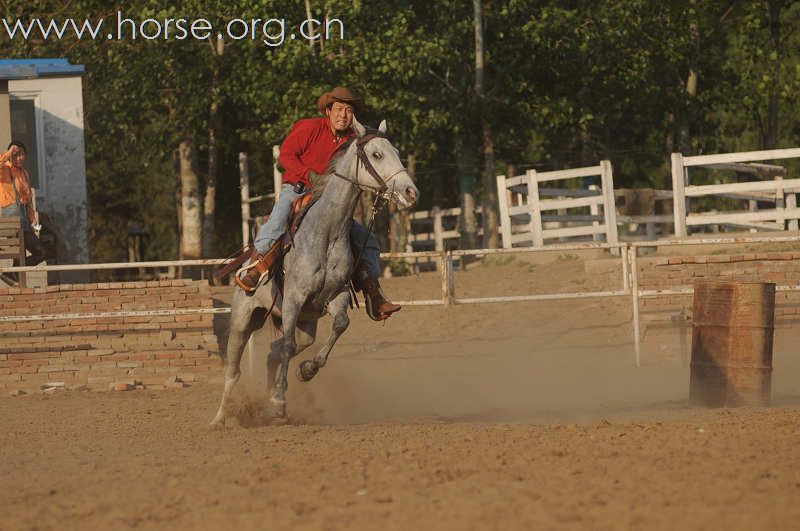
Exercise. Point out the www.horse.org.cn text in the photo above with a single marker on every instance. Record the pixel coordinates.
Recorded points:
(270, 31)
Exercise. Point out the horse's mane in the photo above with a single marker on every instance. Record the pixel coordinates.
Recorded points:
(338, 156)
(318, 184)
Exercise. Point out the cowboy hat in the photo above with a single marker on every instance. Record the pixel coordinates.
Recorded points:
(341, 94)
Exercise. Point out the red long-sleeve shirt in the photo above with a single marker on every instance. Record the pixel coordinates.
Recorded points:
(309, 146)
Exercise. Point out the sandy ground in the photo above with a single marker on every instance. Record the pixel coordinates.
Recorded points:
(518, 416)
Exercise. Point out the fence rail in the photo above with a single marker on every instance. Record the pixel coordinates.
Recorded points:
(628, 269)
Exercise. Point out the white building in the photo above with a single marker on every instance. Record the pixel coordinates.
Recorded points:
(41, 104)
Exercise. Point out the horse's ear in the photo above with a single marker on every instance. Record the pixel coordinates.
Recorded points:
(382, 127)
(358, 128)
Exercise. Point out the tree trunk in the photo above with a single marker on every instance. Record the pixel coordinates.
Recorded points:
(394, 228)
(468, 224)
(398, 235)
(191, 219)
(404, 229)
(308, 26)
(686, 118)
(669, 148)
(176, 160)
(210, 200)
(399, 225)
(771, 134)
(490, 215)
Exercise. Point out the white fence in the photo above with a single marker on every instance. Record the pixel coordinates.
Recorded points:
(437, 228)
(427, 227)
(433, 228)
(530, 206)
(779, 190)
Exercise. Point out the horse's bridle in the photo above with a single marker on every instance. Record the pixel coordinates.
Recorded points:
(363, 159)
(380, 194)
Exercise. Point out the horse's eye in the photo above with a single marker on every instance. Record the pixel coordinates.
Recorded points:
(377, 155)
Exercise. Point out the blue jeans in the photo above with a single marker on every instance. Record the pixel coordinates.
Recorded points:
(372, 250)
(278, 222)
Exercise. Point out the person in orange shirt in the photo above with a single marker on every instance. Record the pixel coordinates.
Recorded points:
(16, 198)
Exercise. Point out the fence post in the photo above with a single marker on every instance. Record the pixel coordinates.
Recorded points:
(791, 203)
(609, 205)
(503, 199)
(534, 209)
(626, 281)
(678, 195)
(635, 297)
(752, 206)
(560, 224)
(594, 210)
(244, 190)
(780, 201)
(448, 278)
(277, 176)
(650, 231)
(438, 231)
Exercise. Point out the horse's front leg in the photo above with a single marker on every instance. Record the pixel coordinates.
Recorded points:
(306, 333)
(337, 308)
(291, 311)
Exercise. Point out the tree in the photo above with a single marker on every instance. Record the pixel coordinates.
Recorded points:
(490, 215)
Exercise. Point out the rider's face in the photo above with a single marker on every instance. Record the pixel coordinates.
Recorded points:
(341, 116)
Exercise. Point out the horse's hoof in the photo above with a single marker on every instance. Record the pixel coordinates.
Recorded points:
(277, 408)
(307, 370)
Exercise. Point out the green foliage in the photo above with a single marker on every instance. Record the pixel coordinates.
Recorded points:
(567, 83)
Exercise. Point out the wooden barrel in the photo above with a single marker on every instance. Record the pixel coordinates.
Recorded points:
(732, 331)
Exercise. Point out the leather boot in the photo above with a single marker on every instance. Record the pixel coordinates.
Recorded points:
(378, 306)
(249, 277)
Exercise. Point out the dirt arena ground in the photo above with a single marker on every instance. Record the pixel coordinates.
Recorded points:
(517, 416)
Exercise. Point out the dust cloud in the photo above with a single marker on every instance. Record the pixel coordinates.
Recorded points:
(543, 361)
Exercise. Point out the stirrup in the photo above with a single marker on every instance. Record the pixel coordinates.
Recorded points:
(243, 272)
(375, 313)
(250, 277)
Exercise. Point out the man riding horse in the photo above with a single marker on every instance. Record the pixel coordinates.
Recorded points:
(305, 155)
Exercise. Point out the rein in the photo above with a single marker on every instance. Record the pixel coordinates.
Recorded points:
(380, 193)
(363, 159)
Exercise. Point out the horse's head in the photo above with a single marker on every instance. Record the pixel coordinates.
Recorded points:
(380, 167)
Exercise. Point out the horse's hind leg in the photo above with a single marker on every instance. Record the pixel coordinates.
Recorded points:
(241, 326)
(338, 310)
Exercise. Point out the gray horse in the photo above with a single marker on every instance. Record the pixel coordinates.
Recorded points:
(318, 268)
